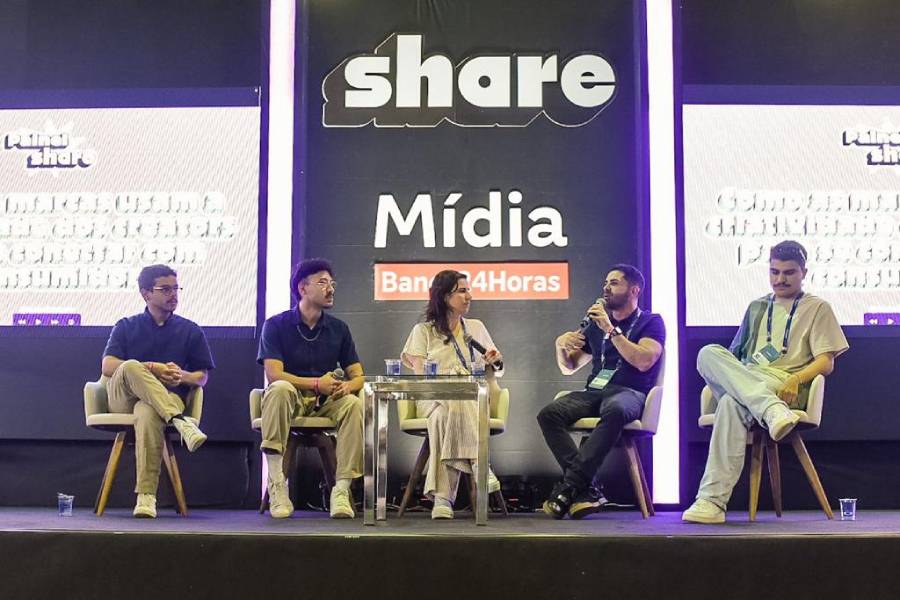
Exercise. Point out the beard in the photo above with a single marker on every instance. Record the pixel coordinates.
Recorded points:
(616, 301)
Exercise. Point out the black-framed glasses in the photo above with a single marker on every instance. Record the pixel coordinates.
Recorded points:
(168, 290)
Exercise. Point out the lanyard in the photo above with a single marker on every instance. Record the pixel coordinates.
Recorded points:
(787, 328)
(456, 347)
(634, 321)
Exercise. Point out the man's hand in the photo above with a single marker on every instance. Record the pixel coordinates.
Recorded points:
(170, 374)
(570, 341)
(789, 391)
(328, 385)
(598, 315)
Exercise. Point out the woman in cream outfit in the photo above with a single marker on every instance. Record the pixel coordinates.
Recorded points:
(453, 425)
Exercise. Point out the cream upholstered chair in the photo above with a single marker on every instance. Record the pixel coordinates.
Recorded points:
(98, 416)
(645, 426)
(306, 432)
(760, 440)
(413, 424)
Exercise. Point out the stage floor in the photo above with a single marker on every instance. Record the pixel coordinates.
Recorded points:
(612, 524)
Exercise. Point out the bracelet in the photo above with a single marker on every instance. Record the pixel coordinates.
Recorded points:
(317, 386)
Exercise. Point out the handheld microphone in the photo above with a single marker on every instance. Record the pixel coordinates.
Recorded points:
(468, 339)
(338, 374)
(586, 320)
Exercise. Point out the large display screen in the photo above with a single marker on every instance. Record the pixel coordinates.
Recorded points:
(826, 176)
(91, 194)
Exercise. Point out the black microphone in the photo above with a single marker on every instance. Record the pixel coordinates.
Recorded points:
(468, 339)
(586, 321)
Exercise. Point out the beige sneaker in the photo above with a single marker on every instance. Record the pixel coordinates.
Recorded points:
(780, 420)
(441, 512)
(280, 506)
(341, 504)
(191, 435)
(703, 511)
(145, 507)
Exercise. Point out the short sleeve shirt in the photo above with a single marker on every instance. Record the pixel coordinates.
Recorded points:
(178, 340)
(814, 331)
(648, 325)
(425, 341)
(307, 352)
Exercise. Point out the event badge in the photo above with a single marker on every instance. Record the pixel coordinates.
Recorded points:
(766, 355)
(599, 382)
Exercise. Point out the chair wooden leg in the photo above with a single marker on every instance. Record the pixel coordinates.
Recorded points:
(264, 492)
(110, 474)
(175, 477)
(755, 471)
(501, 502)
(647, 495)
(811, 474)
(774, 472)
(325, 444)
(473, 489)
(421, 460)
(635, 475)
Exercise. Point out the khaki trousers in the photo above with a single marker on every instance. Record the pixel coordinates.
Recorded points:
(281, 403)
(133, 389)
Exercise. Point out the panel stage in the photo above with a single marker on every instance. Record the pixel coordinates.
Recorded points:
(616, 554)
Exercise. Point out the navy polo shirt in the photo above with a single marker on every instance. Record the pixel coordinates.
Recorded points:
(648, 325)
(178, 340)
(307, 352)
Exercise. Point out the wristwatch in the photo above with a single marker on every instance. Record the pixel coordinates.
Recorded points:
(615, 331)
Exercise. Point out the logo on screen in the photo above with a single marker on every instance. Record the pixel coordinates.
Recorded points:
(398, 86)
(50, 148)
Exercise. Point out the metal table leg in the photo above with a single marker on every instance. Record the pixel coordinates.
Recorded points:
(368, 399)
(381, 453)
(481, 504)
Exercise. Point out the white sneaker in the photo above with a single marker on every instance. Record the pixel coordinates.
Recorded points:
(145, 507)
(280, 506)
(780, 420)
(703, 511)
(493, 482)
(191, 435)
(341, 505)
(441, 511)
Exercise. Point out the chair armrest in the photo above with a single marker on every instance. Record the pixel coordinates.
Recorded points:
(816, 399)
(255, 404)
(95, 399)
(652, 407)
(406, 409)
(708, 402)
(500, 408)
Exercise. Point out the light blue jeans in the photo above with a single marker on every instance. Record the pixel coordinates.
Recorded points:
(743, 393)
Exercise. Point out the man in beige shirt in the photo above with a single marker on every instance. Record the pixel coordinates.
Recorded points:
(785, 340)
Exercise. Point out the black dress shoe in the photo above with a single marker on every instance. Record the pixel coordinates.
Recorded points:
(557, 505)
(587, 502)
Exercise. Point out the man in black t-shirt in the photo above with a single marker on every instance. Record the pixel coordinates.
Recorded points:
(299, 350)
(624, 345)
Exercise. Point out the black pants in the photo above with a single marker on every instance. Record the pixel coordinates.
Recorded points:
(615, 405)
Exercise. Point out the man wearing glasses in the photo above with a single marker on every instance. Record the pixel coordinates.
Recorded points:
(300, 350)
(152, 360)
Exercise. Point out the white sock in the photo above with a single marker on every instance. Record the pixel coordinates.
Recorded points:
(275, 463)
(342, 484)
(441, 501)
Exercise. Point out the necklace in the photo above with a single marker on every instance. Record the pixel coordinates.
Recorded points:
(313, 338)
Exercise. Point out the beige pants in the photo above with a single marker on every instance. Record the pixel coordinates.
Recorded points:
(453, 441)
(134, 389)
(281, 402)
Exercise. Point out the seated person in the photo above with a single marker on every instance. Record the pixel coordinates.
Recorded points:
(152, 360)
(452, 425)
(624, 344)
(785, 340)
(299, 350)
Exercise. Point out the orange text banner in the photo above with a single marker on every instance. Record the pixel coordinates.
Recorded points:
(489, 281)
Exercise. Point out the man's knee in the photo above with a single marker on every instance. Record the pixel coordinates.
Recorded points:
(710, 353)
(131, 366)
(615, 412)
(278, 391)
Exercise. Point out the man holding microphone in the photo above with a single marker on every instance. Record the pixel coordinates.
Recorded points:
(623, 344)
